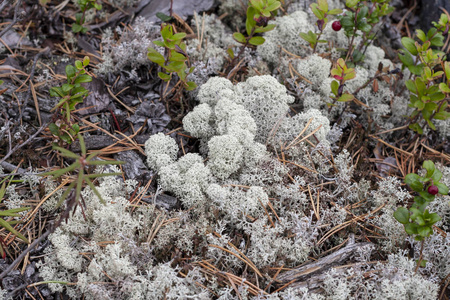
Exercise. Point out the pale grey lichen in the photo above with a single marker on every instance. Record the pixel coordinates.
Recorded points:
(161, 150)
(266, 100)
(198, 122)
(286, 35)
(130, 51)
(225, 153)
(187, 178)
(314, 68)
(373, 56)
(269, 244)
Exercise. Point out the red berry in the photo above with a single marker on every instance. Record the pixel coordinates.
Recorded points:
(433, 190)
(336, 25)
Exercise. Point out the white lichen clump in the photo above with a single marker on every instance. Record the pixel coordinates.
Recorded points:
(130, 51)
(286, 35)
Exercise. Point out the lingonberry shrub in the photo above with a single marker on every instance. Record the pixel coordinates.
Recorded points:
(176, 59)
(417, 220)
(430, 83)
(321, 11)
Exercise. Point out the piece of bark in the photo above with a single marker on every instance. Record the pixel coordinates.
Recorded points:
(93, 142)
(325, 263)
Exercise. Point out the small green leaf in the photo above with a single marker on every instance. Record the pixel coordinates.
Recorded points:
(316, 11)
(164, 76)
(346, 97)
(159, 43)
(364, 27)
(433, 218)
(86, 61)
(83, 78)
(250, 23)
(442, 115)
(77, 28)
(423, 262)
(415, 213)
(436, 96)
(323, 5)
(257, 40)
(437, 40)
(163, 17)
(335, 11)
(57, 92)
(444, 88)
(424, 231)
(273, 6)
(409, 45)
(402, 215)
(310, 37)
(191, 85)
(429, 166)
(267, 28)
(70, 71)
(175, 56)
(437, 176)
(351, 3)
(443, 189)
(178, 36)
(413, 180)
(239, 37)
(406, 58)
(66, 153)
(427, 196)
(411, 86)
(334, 87)
(421, 35)
(155, 56)
(416, 127)
(78, 65)
(230, 52)
(411, 228)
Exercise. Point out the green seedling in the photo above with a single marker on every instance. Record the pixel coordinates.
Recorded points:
(321, 11)
(80, 18)
(341, 73)
(71, 93)
(417, 220)
(81, 164)
(259, 12)
(360, 20)
(176, 60)
(430, 85)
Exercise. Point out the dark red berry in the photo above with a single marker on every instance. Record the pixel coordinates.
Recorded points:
(336, 25)
(433, 190)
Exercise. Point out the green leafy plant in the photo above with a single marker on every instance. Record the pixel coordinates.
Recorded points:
(259, 12)
(341, 73)
(417, 220)
(176, 60)
(10, 213)
(321, 11)
(81, 165)
(430, 85)
(80, 17)
(71, 93)
(362, 16)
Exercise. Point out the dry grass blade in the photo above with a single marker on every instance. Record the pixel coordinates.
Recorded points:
(298, 142)
(390, 146)
(347, 223)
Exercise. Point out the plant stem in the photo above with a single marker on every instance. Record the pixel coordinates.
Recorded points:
(420, 257)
